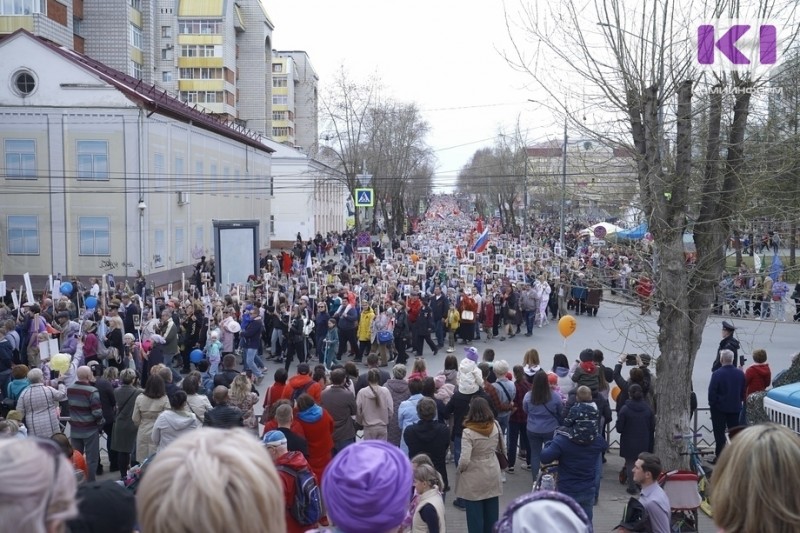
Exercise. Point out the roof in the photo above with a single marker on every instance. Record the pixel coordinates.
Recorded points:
(152, 98)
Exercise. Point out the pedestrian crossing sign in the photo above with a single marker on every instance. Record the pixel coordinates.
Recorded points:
(365, 198)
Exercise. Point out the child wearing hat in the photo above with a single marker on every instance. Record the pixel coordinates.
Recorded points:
(587, 373)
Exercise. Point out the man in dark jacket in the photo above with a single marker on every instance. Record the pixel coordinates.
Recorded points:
(577, 467)
(725, 393)
(439, 307)
(223, 415)
(341, 405)
(347, 321)
(429, 437)
(421, 329)
(252, 342)
(728, 342)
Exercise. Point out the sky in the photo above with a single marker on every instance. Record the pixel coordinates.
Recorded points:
(443, 55)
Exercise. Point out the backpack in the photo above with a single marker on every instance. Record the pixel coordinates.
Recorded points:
(306, 507)
(297, 392)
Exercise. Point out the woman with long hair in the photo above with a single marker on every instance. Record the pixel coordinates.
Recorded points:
(518, 421)
(242, 397)
(123, 434)
(148, 405)
(479, 483)
(636, 425)
(530, 363)
(543, 407)
(374, 407)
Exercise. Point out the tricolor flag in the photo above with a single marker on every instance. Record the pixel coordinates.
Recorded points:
(480, 244)
(308, 262)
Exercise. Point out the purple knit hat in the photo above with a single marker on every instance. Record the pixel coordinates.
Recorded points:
(367, 487)
(471, 353)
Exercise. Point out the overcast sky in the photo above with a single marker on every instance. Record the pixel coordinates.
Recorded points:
(444, 55)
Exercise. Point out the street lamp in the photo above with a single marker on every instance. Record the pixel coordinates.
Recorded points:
(142, 207)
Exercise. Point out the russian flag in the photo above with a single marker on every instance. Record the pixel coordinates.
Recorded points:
(308, 262)
(480, 244)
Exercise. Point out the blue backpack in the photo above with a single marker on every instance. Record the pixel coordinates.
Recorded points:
(307, 506)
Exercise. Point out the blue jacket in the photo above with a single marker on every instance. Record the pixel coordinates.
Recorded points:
(252, 334)
(348, 321)
(543, 418)
(577, 464)
(726, 389)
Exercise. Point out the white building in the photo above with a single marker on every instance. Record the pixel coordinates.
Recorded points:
(308, 197)
(104, 173)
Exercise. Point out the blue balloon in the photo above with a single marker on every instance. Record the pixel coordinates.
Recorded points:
(91, 302)
(66, 288)
(196, 356)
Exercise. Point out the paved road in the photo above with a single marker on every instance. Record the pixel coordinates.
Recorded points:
(617, 329)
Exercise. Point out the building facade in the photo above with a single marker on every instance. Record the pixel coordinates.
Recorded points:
(600, 181)
(308, 197)
(103, 174)
(296, 120)
(215, 55)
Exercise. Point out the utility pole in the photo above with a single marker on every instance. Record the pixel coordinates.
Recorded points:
(563, 186)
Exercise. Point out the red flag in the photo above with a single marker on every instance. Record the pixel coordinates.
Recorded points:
(480, 225)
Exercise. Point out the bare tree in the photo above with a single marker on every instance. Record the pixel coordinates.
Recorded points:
(345, 117)
(397, 151)
(638, 64)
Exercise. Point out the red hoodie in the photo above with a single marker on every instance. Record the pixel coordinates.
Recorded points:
(298, 381)
(757, 378)
(295, 461)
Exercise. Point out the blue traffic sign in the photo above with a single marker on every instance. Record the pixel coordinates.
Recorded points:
(364, 197)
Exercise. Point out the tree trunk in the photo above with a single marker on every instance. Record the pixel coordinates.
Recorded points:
(793, 242)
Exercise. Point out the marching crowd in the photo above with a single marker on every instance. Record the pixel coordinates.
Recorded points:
(158, 376)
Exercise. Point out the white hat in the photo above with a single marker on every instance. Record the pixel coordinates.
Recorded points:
(233, 327)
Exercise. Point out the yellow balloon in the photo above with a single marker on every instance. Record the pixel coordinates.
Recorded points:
(567, 325)
(60, 362)
(615, 393)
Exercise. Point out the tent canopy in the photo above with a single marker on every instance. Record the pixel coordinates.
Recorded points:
(610, 229)
(633, 234)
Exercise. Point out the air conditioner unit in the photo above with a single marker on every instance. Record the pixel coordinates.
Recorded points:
(183, 198)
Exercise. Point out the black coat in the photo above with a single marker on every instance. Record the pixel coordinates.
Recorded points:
(458, 407)
(728, 343)
(431, 438)
(636, 425)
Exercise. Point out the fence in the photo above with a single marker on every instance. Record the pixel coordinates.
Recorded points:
(698, 424)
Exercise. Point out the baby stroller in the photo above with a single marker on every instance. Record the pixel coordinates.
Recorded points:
(684, 498)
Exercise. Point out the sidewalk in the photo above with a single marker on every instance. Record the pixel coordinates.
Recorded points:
(607, 512)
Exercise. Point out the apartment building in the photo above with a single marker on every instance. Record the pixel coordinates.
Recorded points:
(296, 115)
(600, 181)
(215, 55)
(103, 173)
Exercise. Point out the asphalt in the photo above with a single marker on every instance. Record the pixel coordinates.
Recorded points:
(617, 329)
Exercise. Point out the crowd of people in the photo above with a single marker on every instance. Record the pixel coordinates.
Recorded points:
(170, 382)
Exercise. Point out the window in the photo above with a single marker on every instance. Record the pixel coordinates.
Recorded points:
(20, 159)
(213, 182)
(166, 54)
(166, 75)
(135, 36)
(280, 99)
(202, 97)
(279, 115)
(201, 73)
(272, 224)
(92, 160)
(94, 236)
(277, 67)
(201, 50)
(180, 252)
(136, 70)
(23, 7)
(198, 239)
(24, 83)
(271, 186)
(159, 248)
(23, 235)
(180, 169)
(135, 4)
(166, 32)
(280, 132)
(206, 27)
(159, 169)
(280, 82)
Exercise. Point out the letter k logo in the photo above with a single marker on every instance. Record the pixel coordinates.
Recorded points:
(726, 44)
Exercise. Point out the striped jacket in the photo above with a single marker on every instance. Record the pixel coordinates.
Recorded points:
(39, 407)
(85, 410)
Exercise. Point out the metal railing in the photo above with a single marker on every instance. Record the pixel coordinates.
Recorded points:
(705, 440)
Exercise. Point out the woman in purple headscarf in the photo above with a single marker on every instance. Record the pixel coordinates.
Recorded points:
(370, 488)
